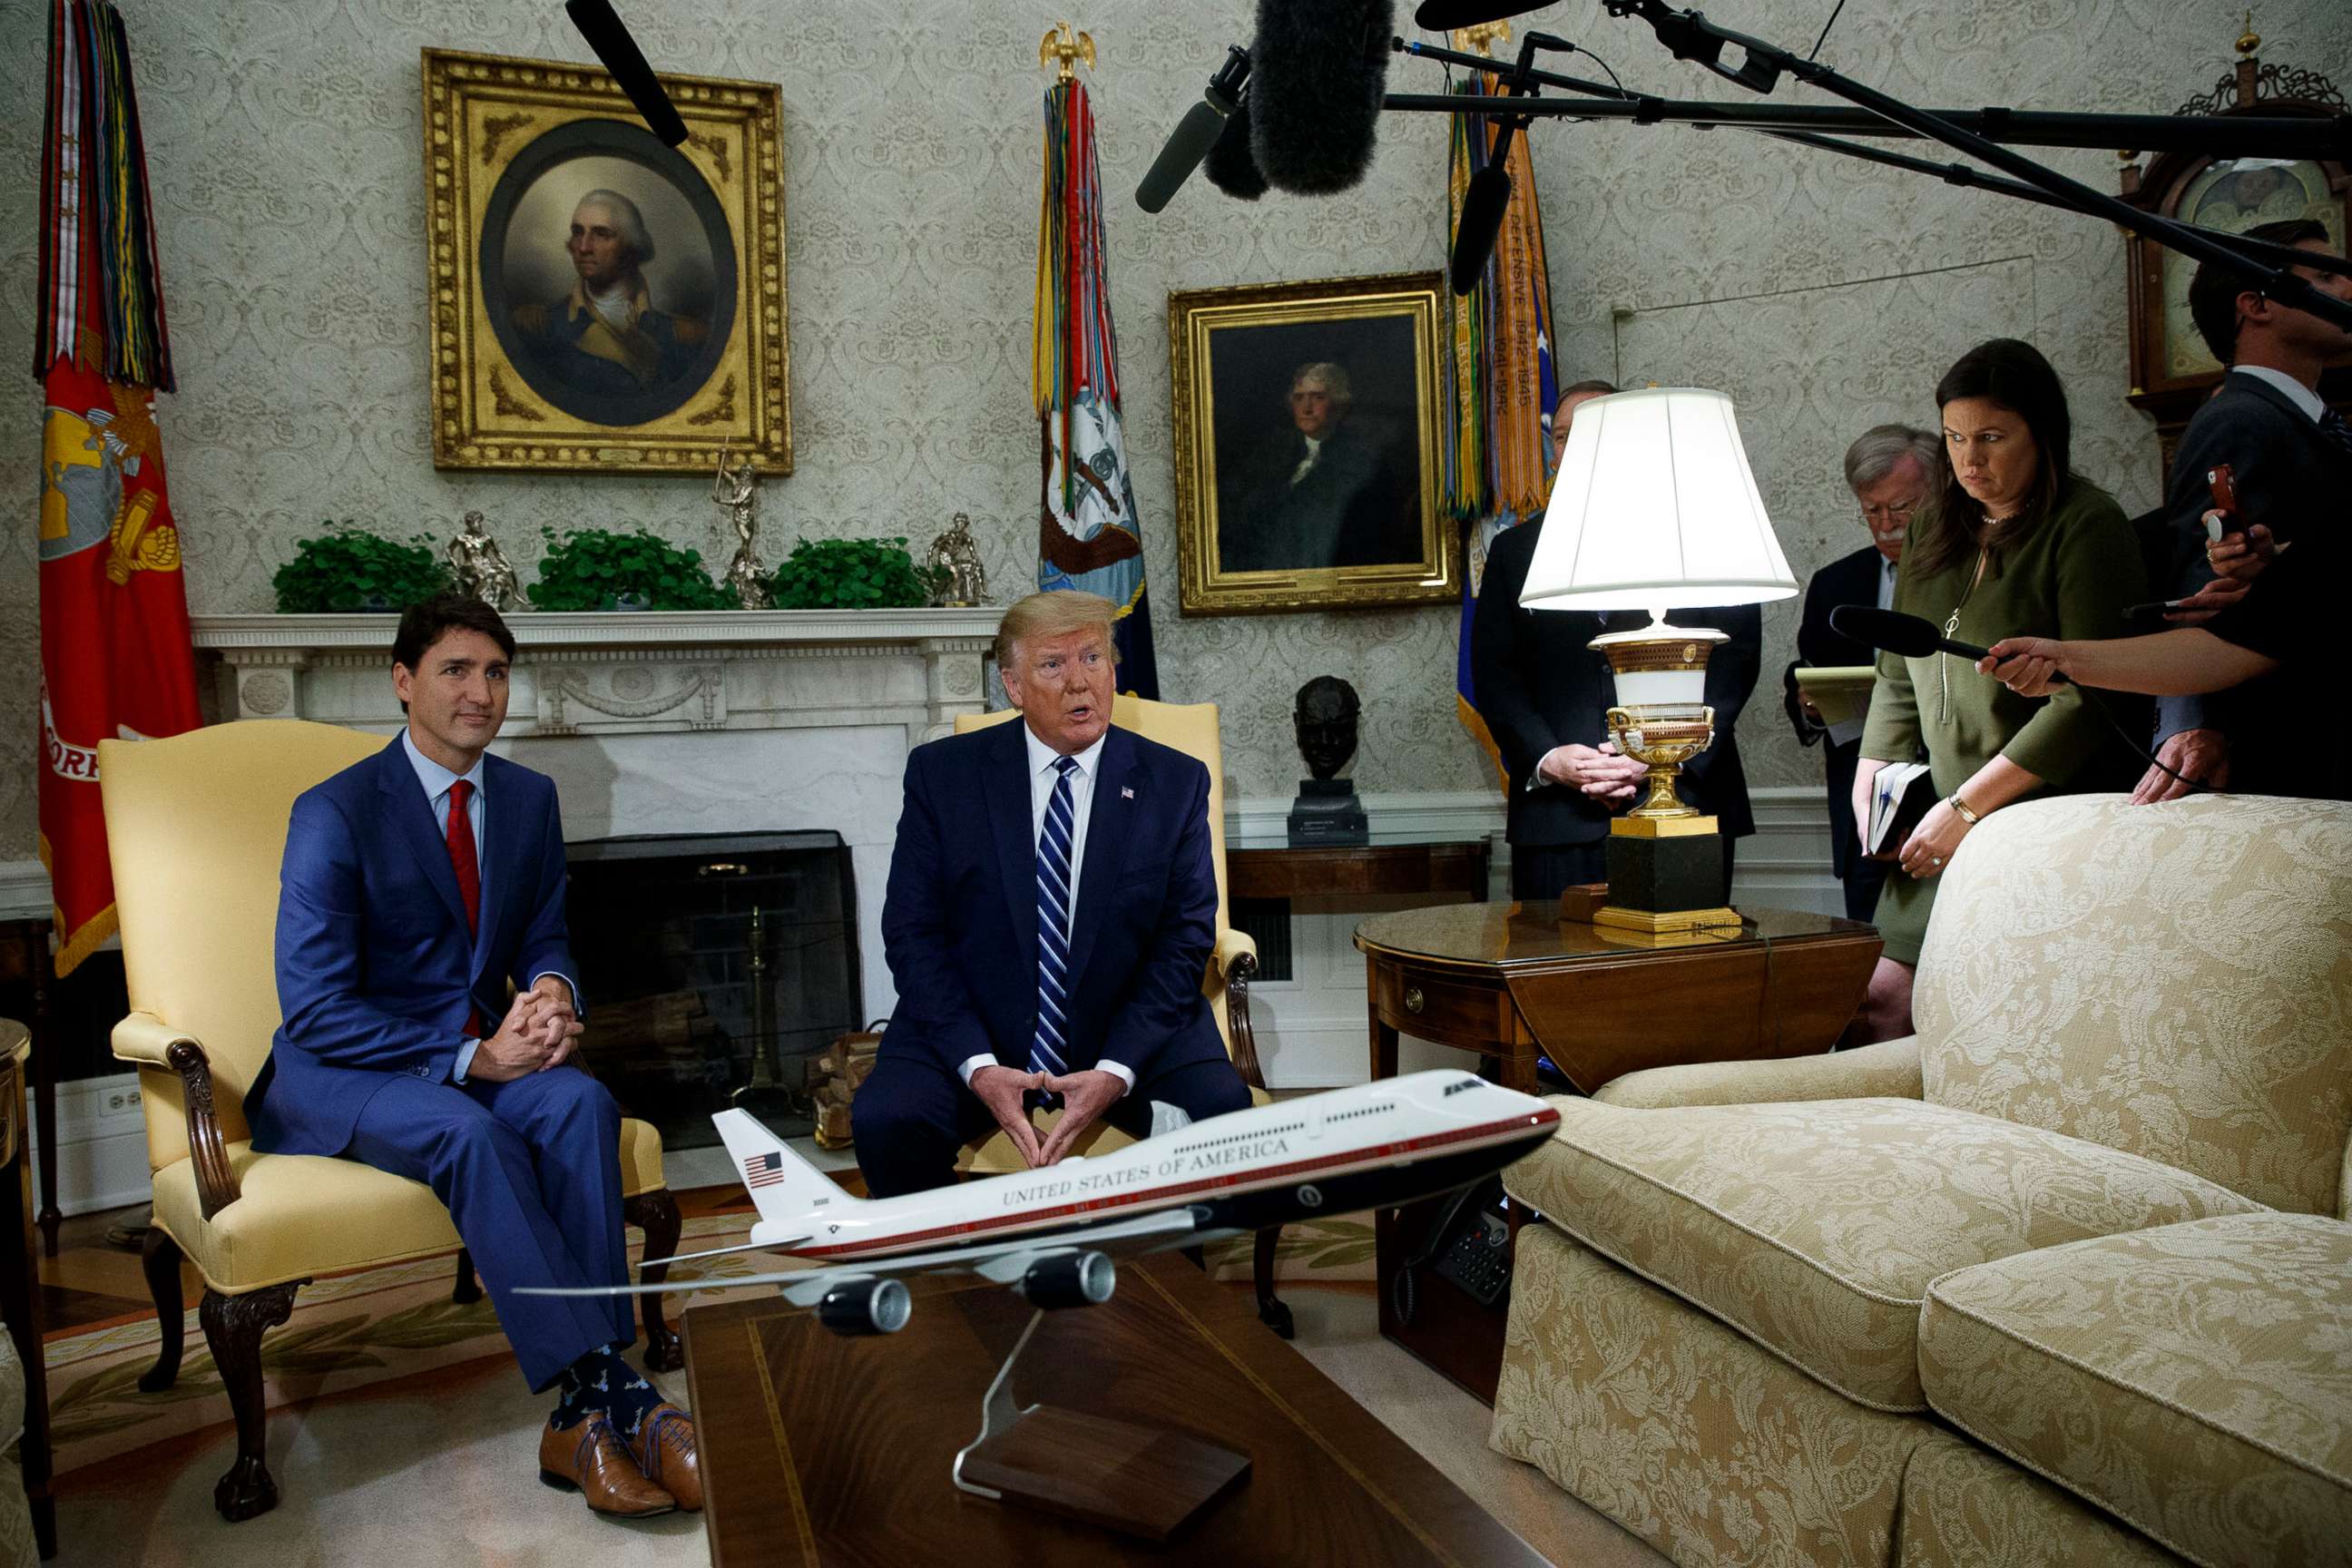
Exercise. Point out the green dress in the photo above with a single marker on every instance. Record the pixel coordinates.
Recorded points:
(2070, 577)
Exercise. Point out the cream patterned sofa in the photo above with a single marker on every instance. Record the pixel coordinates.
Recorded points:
(2064, 1278)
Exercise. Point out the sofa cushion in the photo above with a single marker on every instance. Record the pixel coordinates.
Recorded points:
(2173, 980)
(1814, 1227)
(2195, 1381)
(304, 1215)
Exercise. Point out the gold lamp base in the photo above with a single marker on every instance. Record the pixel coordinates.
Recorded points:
(1666, 858)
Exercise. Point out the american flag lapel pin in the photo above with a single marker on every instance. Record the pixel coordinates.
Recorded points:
(1124, 793)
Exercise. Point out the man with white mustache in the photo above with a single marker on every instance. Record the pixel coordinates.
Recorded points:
(1890, 468)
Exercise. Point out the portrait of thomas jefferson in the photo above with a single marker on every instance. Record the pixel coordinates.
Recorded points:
(607, 336)
(1311, 472)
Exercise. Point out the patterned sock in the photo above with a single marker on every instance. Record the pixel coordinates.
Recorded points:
(601, 1380)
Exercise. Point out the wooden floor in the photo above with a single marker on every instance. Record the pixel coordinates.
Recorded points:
(92, 1281)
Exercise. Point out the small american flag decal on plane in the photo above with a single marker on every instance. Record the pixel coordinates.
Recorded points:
(761, 1170)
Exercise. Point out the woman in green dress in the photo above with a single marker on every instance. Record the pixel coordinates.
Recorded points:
(2013, 540)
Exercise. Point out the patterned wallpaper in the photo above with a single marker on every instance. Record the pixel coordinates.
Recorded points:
(283, 141)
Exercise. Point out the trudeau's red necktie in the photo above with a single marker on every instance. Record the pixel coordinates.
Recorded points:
(469, 873)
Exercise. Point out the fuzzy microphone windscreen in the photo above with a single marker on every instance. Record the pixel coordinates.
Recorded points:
(1229, 166)
(1319, 70)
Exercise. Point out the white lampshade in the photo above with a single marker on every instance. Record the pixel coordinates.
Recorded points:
(1654, 509)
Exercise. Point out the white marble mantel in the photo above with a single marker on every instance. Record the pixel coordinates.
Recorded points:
(670, 722)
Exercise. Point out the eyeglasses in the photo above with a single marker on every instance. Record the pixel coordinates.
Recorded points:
(1887, 513)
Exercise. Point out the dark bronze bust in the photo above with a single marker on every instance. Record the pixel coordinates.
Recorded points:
(1326, 810)
(1325, 717)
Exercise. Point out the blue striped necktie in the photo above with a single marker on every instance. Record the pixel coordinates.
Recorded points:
(1053, 842)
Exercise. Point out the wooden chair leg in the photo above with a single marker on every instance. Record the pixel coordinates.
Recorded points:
(468, 1290)
(232, 1328)
(159, 1258)
(655, 1213)
(1270, 1310)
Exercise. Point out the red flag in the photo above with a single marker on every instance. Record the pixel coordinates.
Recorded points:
(116, 660)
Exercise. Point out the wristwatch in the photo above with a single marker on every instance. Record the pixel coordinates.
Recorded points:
(1962, 807)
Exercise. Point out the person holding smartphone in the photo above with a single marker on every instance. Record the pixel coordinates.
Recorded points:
(2290, 458)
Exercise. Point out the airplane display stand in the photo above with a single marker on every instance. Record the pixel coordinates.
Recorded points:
(1140, 1481)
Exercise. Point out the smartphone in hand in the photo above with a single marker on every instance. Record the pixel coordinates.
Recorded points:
(2222, 482)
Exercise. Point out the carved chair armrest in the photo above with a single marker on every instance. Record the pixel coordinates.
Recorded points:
(1234, 962)
(143, 1038)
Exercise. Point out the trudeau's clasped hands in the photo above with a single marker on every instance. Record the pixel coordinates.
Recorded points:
(539, 1032)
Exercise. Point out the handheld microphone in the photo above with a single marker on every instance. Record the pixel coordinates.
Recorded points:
(605, 34)
(1483, 206)
(1202, 125)
(1908, 635)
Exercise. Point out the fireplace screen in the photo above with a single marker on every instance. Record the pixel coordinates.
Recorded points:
(715, 966)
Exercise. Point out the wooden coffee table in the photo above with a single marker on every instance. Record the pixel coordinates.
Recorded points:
(819, 1449)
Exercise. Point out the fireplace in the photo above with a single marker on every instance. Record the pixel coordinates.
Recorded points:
(715, 965)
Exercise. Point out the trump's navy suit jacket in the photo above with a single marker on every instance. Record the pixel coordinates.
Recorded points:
(960, 922)
(375, 970)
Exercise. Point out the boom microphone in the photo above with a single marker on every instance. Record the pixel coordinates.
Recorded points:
(1483, 206)
(602, 29)
(1897, 633)
(1202, 128)
(1322, 67)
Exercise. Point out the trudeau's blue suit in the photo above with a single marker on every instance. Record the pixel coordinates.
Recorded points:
(376, 974)
(959, 930)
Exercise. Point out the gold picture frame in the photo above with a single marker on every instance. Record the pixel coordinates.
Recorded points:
(689, 353)
(1260, 529)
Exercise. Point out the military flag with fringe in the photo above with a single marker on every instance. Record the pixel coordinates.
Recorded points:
(1090, 537)
(1501, 385)
(116, 660)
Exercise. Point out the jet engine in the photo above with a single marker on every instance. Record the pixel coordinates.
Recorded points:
(1070, 1280)
(859, 1307)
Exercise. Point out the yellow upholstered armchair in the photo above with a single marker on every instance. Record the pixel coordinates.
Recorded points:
(196, 829)
(1189, 728)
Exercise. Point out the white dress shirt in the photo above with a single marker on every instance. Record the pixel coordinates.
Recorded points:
(2302, 396)
(436, 780)
(1042, 775)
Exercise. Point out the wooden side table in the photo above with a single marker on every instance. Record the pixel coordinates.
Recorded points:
(20, 1296)
(1448, 866)
(1510, 982)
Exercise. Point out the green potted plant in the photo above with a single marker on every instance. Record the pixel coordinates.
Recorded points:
(597, 569)
(850, 574)
(347, 569)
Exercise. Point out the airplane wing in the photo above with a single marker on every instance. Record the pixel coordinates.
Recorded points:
(1000, 1262)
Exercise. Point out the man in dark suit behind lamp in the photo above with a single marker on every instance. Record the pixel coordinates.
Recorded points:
(1546, 695)
(1889, 468)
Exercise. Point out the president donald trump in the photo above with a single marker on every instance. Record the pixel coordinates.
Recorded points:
(1050, 913)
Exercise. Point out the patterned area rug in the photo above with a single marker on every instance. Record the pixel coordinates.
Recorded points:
(350, 1330)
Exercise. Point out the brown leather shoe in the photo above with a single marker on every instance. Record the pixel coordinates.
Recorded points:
(665, 1451)
(592, 1458)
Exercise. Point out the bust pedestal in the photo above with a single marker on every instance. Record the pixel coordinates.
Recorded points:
(1328, 812)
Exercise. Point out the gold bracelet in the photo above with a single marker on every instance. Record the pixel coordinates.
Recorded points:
(1962, 807)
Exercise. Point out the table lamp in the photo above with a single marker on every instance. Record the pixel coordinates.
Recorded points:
(1654, 509)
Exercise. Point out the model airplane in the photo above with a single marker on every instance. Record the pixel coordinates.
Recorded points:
(1049, 1233)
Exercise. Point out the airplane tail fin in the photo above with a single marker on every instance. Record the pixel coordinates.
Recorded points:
(781, 1182)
